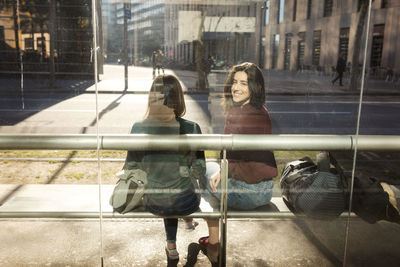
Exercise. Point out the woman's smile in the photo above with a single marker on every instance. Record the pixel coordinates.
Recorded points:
(240, 88)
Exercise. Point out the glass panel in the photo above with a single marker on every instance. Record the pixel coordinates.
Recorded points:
(198, 43)
(46, 74)
(377, 175)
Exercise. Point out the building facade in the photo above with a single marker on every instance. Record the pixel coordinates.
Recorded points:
(226, 29)
(144, 28)
(29, 29)
(311, 34)
(229, 29)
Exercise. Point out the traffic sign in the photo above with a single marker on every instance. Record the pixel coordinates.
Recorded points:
(127, 14)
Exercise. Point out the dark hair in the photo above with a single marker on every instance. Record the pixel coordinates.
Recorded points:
(171, 88)
(255, 82)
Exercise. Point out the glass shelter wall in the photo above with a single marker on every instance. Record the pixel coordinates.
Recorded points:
(46, 74)
(103, 72)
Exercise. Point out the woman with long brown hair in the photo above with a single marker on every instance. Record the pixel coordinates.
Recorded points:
(250, 173)
(172, 189)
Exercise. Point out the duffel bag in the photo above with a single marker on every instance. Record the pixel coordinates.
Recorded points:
(309, 191)
(376, 199)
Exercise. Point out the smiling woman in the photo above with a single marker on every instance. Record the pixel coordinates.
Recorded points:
(250, 172)
(240, 88)
(244, 85)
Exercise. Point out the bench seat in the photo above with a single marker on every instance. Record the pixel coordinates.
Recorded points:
(70, 200)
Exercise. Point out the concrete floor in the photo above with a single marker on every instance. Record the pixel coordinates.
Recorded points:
(140, 242)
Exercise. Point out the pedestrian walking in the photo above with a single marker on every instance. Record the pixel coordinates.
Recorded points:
(158, 62)
(340, 69)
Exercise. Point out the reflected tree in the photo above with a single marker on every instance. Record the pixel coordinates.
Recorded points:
(201, 80)
(151, 45)
(38, 12)
(355, 69)
(8, 4)
(28, 13)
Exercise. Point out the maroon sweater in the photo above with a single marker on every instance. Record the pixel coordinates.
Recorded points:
(250, 166)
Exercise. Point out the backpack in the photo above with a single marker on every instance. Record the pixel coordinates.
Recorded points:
(128, 192)
(376, 199)
(310, 191)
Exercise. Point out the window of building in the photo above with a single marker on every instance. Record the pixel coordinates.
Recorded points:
(28, 44)
(316, 48)
(262, 55)
(266, 12)
(384, 3)
(377, 45)
(300, 50)
(39, 42)
(2, 38)
(280, 11)
(328, 6)
(344, 41)
(275, 49)
(288, 45)
(294, 9)
(309, 5)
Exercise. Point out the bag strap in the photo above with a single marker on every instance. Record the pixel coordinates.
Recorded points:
(305, 162)
(296, 175)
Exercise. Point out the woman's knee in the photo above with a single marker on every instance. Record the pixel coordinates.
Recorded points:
(211, 169)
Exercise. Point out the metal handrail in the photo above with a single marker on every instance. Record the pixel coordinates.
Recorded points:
(147, 215)
(200, 142)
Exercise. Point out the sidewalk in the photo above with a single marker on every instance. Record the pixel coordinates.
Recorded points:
(140, 79)
(140, 242)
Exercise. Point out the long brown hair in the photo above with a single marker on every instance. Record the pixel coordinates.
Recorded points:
(170, 87)
(255, 82)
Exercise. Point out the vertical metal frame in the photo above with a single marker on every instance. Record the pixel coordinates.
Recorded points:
(356, 137)
(98, 143)
(224, 209)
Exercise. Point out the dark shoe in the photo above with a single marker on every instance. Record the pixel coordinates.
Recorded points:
(193, 252)
(205, 247)
(172, 254)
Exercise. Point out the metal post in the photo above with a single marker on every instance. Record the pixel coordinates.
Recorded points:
(52, 41)
(17, 23)
(125, 45)
(135, 44)
(224, 208)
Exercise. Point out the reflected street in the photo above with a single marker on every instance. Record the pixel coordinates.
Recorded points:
(296, 107)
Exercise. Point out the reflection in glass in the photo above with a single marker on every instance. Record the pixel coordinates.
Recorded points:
(47, 73)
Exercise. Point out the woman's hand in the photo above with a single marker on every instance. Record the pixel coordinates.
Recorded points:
(214, 181)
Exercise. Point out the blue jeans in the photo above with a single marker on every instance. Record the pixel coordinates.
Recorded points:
(183, 204)
(241, 196)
